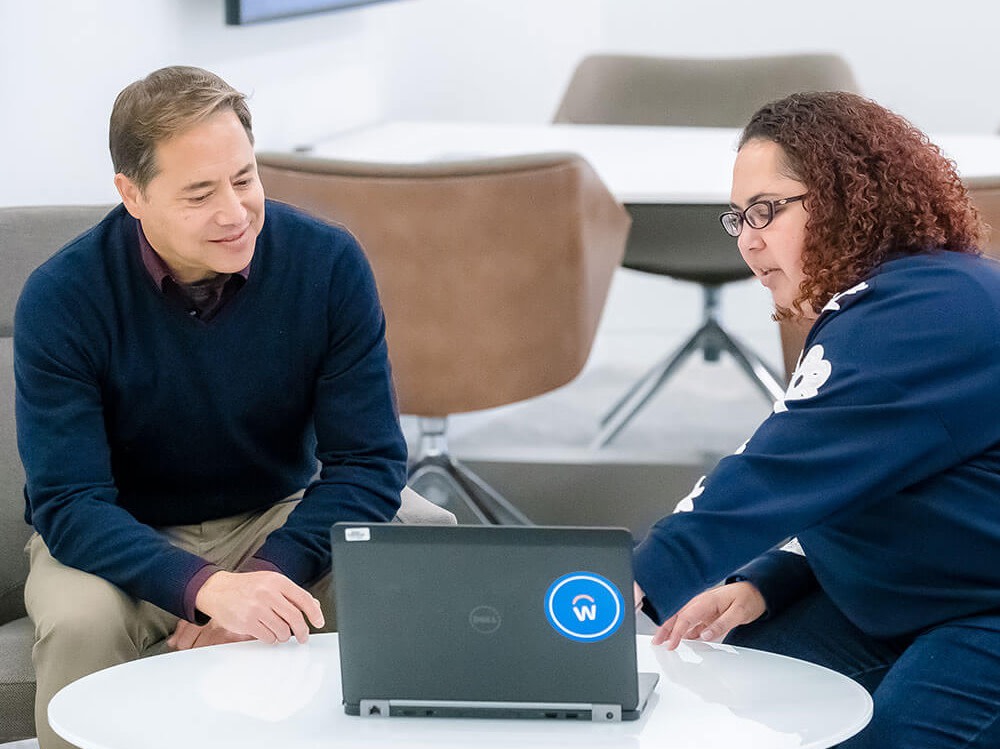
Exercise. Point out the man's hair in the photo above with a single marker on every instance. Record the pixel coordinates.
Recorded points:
(877, 188)
(160, 106)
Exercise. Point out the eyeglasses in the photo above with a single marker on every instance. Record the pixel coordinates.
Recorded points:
(756, 215)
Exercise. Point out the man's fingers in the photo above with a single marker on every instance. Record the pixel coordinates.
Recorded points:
(184, 636)
(304, 601)
(264, 605)
(275, 622)
(296, 621)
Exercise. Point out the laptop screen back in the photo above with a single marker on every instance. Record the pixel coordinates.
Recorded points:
(485, 614)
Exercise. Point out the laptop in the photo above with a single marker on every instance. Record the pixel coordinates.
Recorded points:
(487, 621)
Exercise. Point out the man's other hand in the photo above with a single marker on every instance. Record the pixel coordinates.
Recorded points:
(188, 635)
(265, 606)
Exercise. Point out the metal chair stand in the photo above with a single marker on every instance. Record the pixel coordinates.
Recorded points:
(443, 480)
(711, 339)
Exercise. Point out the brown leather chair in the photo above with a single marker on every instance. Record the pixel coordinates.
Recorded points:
(493, 275)
(685, 241)
(985, 194)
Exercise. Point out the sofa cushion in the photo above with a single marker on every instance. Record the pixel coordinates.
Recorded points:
(17, 681)
(14, 531)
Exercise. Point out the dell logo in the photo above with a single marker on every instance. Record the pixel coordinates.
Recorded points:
(485, 619)
(584, 606)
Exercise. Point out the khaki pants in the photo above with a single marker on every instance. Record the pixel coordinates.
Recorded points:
(83, 623)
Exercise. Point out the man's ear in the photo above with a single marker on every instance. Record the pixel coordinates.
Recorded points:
(131, 195)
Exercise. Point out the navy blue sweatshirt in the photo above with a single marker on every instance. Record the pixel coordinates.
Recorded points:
(132, 414)
(883, 459)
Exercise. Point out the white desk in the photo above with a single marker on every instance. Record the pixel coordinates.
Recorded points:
(638, 164)
(249, 695)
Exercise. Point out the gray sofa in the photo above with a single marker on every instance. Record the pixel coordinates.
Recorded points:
(27, 237)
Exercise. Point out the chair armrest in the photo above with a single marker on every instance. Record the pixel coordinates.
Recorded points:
(417, 510)
(12, 603)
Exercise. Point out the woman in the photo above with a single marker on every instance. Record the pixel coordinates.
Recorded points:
(883, 459)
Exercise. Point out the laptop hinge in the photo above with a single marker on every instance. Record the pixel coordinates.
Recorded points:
(374, 708)
(606, 713)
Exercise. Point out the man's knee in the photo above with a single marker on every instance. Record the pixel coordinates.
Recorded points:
(78, 615)
(95, 626)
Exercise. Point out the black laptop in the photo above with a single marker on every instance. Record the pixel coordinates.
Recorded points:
(487, 621)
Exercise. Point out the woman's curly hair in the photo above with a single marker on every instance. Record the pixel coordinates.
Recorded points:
(877, 187)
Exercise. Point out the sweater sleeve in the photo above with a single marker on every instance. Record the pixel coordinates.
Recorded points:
(64, 448)
(884, 397)
(360, 445)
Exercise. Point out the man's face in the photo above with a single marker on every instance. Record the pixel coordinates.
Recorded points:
(203, 210)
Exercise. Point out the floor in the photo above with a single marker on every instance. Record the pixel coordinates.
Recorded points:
(538, 452)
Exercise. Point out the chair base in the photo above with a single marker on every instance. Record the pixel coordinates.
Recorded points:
(711, 339)
(447, 483)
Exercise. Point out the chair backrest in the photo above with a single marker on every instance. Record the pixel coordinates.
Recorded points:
(985, 194)
(28, 236)
(705, 92)
(493, 273)
(686, 241)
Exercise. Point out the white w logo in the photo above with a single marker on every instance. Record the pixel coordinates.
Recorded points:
(583, 613)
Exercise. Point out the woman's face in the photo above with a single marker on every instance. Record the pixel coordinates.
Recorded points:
(773, 253)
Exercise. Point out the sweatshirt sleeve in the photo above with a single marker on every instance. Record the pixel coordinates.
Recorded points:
(885, 395)
(782, 577)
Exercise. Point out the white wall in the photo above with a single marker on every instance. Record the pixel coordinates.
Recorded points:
(62, 62)
(935, 63)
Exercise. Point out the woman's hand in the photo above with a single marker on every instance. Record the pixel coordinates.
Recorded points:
(710, 615)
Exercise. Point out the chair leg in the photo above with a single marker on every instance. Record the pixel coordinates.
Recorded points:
(760, 374)
(639, 394)
(711, 339)
(446, 482)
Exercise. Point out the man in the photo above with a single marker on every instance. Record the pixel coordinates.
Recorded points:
(180, 367)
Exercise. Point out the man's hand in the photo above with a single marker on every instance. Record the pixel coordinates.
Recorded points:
(265, 606)
(188, 635)
(710, 615)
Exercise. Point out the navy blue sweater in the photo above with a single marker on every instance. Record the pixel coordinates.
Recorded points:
(883, 459)
(132, 414)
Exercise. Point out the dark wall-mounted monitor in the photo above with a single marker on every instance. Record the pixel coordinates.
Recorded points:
(239, 12)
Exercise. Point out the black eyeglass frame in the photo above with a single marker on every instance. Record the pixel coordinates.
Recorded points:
(740, 217)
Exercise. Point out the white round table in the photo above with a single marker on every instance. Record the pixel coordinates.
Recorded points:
(249, 695)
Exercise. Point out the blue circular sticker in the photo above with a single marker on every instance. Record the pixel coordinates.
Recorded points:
(584, 606)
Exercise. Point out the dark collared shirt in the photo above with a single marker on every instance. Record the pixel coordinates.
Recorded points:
(202, 299)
